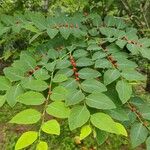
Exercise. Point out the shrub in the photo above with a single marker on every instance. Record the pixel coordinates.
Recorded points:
(80, 70)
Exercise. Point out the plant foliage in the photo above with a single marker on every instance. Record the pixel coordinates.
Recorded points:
(82, 72)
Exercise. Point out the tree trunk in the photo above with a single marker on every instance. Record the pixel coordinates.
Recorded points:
(148, 80)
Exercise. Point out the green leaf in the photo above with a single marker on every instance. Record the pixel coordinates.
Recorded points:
(109, 32)
(84, 61)
(101, 136)
(52, 32)
(41, 74)
(93, 32)
(117, 34)
(124, 90)
(50, 66)
(145, 111)
(93, 85)
(118, 114)
(88, 73)
(4, 30)
(60, 78)
(134, 49)
(79, 116)
(65, 32)
(68, 72)
(132, 75)
(145, 42)
(145, 52)
(105, 122)
(58, 109)
(138, 134)
(12, 94)
(121, 43)
(13, 74)
(99, 101)
(85, 131)
(35, 37)
(80, 53)
(26, 139)
(148, 143)
(124, 64)
(111, 75)
(53, 54)
(64, 63)
(98, 55)
(36, 85)
(20, 67)
(122, 56)
(42, 146)
(102, 63)
(120, 129)
(28, 116)
(31, 98)
(4, 83)
(109, 21)
(120, 23)
(51, 127)
(77, 33)
(97, 21)
(38, 20)
(59, 93)
(27, 61)
(94, 47)
(2, 100)
(71, 83)
(31, 28)
(74, 97)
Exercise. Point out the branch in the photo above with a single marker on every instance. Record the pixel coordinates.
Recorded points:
(129, 13)
(143, 11)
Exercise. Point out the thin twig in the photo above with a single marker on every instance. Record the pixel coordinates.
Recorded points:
(144, 16)
(129, 13)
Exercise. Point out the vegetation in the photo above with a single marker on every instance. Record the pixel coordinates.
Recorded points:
(74, 74)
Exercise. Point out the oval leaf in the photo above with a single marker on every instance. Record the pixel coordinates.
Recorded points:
(28, 116)
(60, 78)
(79, 115)
(111, 75)
(124, 90)
(51, 127)
(106, 123)
(58, 109)
(138, 134)
(84, 61)
(42, 146)
(74, 97)
(59, 93)
(36, 85)
(88, 73)
(2, 100)
(12, 94)
(93, 85)
(41, 74)
(13, 74)
(99, 101)
(26, 139)
(85, 131)
(4, 83)
(31, 98)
